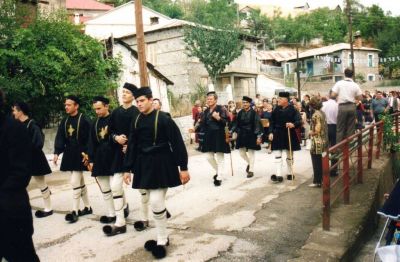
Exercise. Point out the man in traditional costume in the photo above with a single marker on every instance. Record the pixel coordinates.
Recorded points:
(285, 118)
(72, 140)
(249, 132)
(40, 167)
(120, 124)
(100, 155)
(15, 209)
(213, 123)
(158, 159)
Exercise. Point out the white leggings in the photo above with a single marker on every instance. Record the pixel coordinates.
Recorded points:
(279, 162)
(44, 189)
(105, 188)
(248, 157)
(144, 208)
(79, 190)
(119, 198)
(218, 164)
(157, 203)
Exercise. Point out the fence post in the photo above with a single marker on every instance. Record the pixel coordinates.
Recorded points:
(379, 142)
(346, 176)
(370, 146)
(326, 191)
(359, 159)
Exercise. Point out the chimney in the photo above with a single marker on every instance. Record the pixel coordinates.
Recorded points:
(357, 40)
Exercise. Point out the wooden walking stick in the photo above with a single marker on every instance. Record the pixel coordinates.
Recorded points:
(290, 154)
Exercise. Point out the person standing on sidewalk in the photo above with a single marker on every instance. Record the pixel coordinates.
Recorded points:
(40, 166)
(393, 102)
(331, 108)
(157, 157)
(15, 209)
(346, 91)
(100, 154)
(213, 122)
(379, 106)
(249, 134)
(72, 140)
(319, 140)
(284, 117)
(120, 123)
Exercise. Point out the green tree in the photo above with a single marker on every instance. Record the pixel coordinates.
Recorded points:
(49, 59)
(258, 24)
(370, 21)
(215, 39)
(215, 13)
(167, 7)
(393, 64)
(215, 48)
(321, 23)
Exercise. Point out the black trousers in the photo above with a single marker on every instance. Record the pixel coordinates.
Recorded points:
(332, 142)
(16, 241)
(316, 160)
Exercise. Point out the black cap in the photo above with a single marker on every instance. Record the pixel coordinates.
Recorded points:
(248, 99)
(130, 87)
(102, 99)
(143, 91)
(284, 94)
(73, 98)
(23, 107)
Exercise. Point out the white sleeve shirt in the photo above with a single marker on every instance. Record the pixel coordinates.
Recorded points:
(346, 91)
(330, 108)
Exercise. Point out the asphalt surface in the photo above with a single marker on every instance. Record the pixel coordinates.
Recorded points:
(243, 220)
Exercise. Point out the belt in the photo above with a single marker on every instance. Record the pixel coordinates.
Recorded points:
(346, 103)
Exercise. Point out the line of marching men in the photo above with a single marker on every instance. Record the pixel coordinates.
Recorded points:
(141, 140)
(147, 143)
(247, 130)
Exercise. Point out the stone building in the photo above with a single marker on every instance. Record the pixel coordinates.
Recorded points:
(166, 50)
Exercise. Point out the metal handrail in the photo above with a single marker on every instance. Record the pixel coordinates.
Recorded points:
(349, 146)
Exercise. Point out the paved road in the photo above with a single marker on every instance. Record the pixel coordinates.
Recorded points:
(244, 219)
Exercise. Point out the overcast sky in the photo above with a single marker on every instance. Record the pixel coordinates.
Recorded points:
(387, 5)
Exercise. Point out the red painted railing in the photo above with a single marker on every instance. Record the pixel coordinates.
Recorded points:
(344, 152)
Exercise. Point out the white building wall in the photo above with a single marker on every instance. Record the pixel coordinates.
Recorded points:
(130, 73)
(120, 22)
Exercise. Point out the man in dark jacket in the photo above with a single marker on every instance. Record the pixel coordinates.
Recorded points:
(248, 127)
(157, 157)
(213, 122)
(15, 210)
(72, 140)
(40, 165)
(100, 155)
(285, 118)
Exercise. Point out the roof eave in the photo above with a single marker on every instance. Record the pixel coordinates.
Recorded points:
(150, 66)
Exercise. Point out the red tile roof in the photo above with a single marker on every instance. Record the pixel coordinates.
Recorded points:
(87, 5)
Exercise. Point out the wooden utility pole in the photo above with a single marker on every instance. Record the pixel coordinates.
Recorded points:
(144, 81)
(351, 37)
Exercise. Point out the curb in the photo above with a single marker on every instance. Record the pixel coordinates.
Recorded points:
(351, 224)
